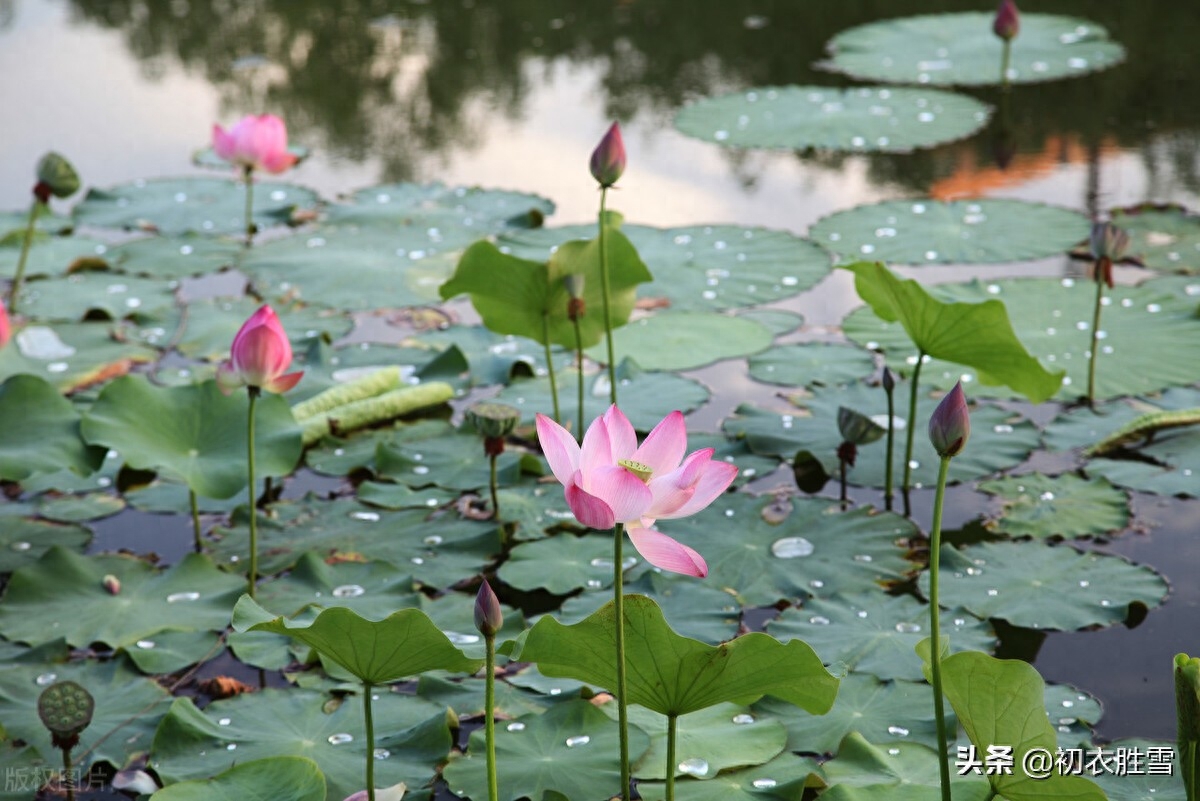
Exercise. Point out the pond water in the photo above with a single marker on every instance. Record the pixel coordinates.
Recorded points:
(515, 93)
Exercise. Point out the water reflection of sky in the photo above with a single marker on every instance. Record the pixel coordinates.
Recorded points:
(70, 83)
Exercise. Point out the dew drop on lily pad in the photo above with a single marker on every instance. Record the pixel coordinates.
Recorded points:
(461, 639)
(45, 679)
(581, 739)
(348, 591)
(897, 731)
(743, 718)
(145, 644)
(382, 753)
(694, 766)
(791, 547)
(907, 627)
(340, 738)
(20, 546)
(763, 784)
(516, 725)
(370, 517)
(176, 597)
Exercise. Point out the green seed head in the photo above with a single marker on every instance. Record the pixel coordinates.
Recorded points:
(637, 468)
(65, 709)
(57, 173)
(494, 420)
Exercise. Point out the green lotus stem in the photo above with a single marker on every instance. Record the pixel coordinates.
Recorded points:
(1091, 390)
(15, 289)
(912, 415)
(550, 364)
(612, 365)
(579, 370)
(492, 485)
(489, 720)
(670, 789)
(1004, 60)
(842, 469)
(622, 703)
(249, 174)
(370, 724)
(891, 451)
(252, 574)
(67, 782)
(195, 520)
(935, 661)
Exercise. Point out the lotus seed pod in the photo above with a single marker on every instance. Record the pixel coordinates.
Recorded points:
(494, 420)
(66, 710)
(858, 429)
(57, 175)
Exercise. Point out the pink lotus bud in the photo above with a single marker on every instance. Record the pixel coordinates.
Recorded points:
(255, 143)
(950, 425)
(260, 354)
(1008, 20)
(5, 326)
(488, 615)
(112, 584)
(608, 159)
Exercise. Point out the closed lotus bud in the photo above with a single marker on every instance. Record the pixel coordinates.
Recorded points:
(950, 425)
(57, 175)
(889, 380)
(488, 615)
(112, 584)
(1109, 241)
(608, 159)
(1007, 23)
(65, 709)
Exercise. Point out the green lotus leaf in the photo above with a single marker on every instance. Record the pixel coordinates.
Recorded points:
(686, 340)
(201, 205)
(176, 257)
(23, 540)
(783, 778)
(811, 364)
(1040, 586)
(48, 437)
(875, 633)
(999, 702)
(569, 751)
(98, 294)
(561, 564)
(63, 595)
(867, 118)
(978, 335)
(172, 651)
(1164, 238)
(1142, 786)
(895, 772)
(674, 675)
(48, 255)
(929, 231)
(75, 355)
(193, 433)
(78, 508)
(946, 49)
(212, 324)
(1035, 505)
(295, 778)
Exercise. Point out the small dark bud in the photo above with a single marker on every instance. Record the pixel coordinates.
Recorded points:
(488, 615)
(889, 380)
(950, 425)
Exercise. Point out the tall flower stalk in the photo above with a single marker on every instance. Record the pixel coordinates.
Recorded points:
(908, 440)
(259, 356)
(494, 422)
(949, 428)
(255, 142)
(889, 387)
(550, 366)
(611, 482)
(488, 620)
(576, 309)
(55, 178)
(607, 166)
(1108, 244)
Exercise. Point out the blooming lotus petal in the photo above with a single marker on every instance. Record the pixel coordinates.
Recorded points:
(284, 382)
(661, 551)
(5, 326)
(559, 448)
(621, 436)
(715, 477)
(223, 143)
(665, 445)
(626, 494)
(255, 143)
(596, 450)
(588, 509)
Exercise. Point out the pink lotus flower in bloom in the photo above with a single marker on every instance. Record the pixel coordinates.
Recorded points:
(611, 479)
(1007, 23)
(608, 159)
(255, 142)
(260, 353)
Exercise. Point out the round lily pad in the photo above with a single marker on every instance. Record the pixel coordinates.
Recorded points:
(703, 267)
(446, 457)
(865, 772)
(948, 49)
(49, 255)
(872, 632)
(928, 231)
(686, 340)
(1040, 586)
(783, 778)
(176, 257)
(447, 215)
(23, 540)
(48, 438)
(869, 118)
(171, 651)
(372, 589)
(1038, 506)
(203, 205)
(1164, 238)
(79, 508)
(815, 550)
(74, 355)
(563, 564)
(212, 324)
(96, 294)
(1054, 317)
(811, 364)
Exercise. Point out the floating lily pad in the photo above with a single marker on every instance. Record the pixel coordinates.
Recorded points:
(1166, 786)
(570, 751)
(1038, 506)
(449, 458)
(63, 595)
(646, 397)
(48, 438)
(1072, 712)
(26, 768)
(295, 778)
(928, 231)
(1054, 316)
(179, 205)
(562, 564)
(907, 771)
(869, 118)
(1043, 587)
(212, 324)
(999, 439)
(48, 255)
(750, 465)
(171, 651)
(191, 744)
(708, 741)
(704, 267)
(163, 496)
(79, 508)
(1165, 238)
(811, 364)
(686, 340)
(97, 294)
(947, 49)
(781, 779)
(23, 540)
(14, 223)
(467, 697)
(345, 529)
(176, 257)
(882, 712)
(194, 433)
(448, 215)
(814, 551)
(74, 355)
(372, 589)
(401, 496)
(871, 632)
(128, 707)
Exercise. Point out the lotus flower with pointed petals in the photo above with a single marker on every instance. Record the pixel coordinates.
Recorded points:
(260, 354)
(256, 142)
